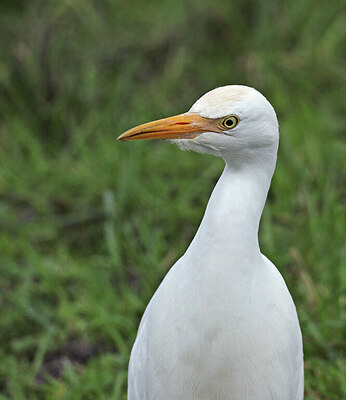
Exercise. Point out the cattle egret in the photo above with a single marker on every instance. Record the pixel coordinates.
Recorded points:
(222, 325)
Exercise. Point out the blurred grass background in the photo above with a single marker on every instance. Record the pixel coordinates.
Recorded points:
(89, 227)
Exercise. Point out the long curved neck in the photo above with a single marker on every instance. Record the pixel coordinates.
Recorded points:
(228, 234)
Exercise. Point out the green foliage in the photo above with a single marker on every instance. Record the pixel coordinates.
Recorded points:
(89, 226)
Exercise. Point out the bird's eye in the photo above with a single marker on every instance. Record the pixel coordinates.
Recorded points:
(230, 122)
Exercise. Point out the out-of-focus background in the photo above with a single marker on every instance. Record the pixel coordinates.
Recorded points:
(89, 226)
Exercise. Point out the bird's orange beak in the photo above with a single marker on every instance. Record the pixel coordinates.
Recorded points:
(182, 126)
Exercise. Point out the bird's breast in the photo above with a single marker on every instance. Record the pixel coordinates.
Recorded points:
(205, 338)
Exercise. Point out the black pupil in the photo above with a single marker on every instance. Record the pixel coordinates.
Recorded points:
(229, 122)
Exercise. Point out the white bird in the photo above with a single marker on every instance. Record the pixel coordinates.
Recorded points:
(222, 325)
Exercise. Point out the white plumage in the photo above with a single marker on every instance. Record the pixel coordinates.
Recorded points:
(222, 325)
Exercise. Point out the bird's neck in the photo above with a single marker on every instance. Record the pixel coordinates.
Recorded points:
(228, 234)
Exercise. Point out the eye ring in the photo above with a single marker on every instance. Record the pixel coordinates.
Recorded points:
(230, 122)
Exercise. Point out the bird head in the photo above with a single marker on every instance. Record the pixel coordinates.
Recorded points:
(234, 122)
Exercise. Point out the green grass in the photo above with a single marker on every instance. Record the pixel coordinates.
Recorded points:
(89, 226)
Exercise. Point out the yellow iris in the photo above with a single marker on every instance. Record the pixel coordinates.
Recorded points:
(230, 122)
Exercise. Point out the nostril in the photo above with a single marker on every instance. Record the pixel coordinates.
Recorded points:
(182, 123)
